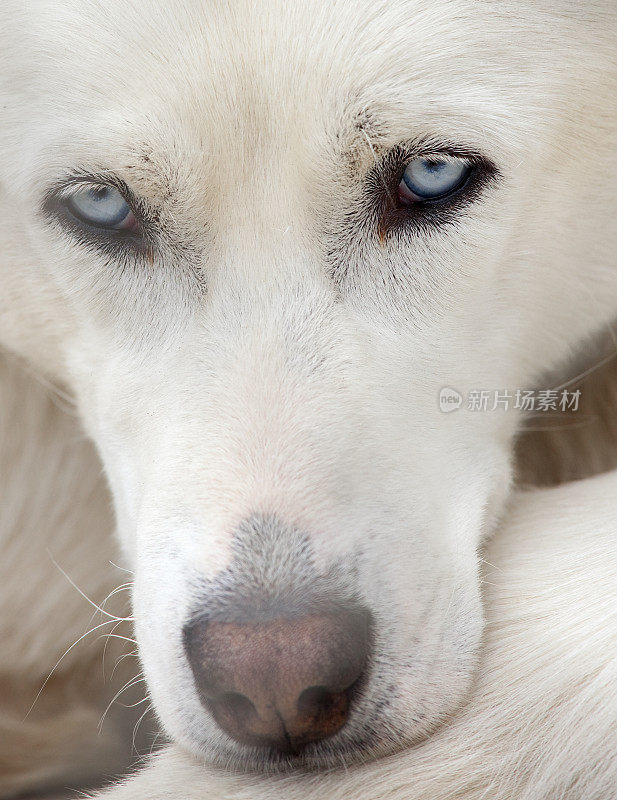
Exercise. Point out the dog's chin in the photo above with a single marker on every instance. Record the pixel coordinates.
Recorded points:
(317, 758)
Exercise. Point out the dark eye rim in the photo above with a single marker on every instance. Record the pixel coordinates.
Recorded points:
(430, 213)
(55, 207)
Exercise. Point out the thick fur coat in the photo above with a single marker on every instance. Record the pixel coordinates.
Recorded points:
(249, 372)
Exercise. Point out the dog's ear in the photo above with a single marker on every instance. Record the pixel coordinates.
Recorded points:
(562, 446)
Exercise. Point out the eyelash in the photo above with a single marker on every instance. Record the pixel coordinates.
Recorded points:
(391, 215)
(110, 241)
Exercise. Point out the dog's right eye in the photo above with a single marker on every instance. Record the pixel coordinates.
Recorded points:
(102, 207)
(427, 179)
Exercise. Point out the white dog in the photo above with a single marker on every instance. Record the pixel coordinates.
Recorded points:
(254, 242)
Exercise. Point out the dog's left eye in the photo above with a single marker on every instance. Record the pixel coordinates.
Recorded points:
(426, 179)
(101, 207)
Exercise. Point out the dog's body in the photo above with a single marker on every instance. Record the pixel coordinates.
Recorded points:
(53, 737)
(255, 339)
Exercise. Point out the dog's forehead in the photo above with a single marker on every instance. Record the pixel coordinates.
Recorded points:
(232, 63)
(215, 88)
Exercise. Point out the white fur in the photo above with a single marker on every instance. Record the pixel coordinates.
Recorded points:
(540, 724)
(274, 356)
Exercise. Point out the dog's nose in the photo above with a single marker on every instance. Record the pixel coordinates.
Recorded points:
(281, 682)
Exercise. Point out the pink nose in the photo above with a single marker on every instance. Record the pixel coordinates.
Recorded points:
(281, 682)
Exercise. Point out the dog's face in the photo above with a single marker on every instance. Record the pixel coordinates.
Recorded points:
(256, 241)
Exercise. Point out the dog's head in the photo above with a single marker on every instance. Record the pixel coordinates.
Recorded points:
(257, 240)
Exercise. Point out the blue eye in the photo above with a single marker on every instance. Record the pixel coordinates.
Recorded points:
(102, 207)
(430, 179)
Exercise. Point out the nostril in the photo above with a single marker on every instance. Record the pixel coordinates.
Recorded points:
(323, 710)
(314, 698)
(232, 709)
(237, 704)
(317, 700)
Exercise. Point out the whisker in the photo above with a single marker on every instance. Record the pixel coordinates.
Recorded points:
(85, 596)
(122, 588)
(62, 657)
(132, 654)
(154, 741)
(138, 723)
(113, 630)
(134, 705)
(124, 569)
(128, 685)
(117, 636)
